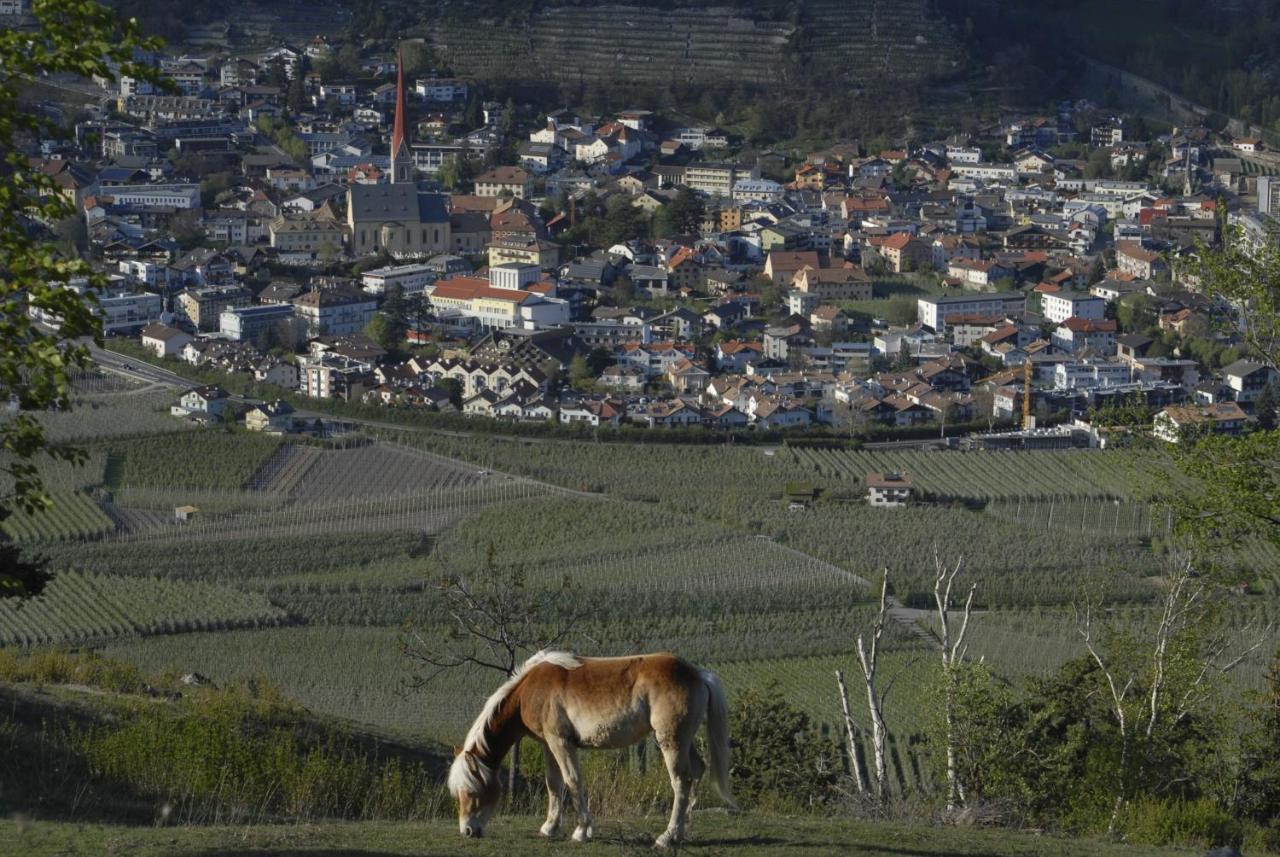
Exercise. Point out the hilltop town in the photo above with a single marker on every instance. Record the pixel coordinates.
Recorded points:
(313, 218)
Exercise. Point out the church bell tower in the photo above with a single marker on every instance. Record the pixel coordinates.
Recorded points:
(401, 157)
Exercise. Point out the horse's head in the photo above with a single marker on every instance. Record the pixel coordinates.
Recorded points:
(477, 788)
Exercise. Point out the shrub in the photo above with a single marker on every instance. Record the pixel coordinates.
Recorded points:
(61, 666)
(780, 759)
(1200, 822)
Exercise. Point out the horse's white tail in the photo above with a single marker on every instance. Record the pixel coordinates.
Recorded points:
(718, 736)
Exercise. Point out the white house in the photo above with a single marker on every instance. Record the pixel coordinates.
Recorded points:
(163, 340)
(210, 400)
(888, 490)
(1057, 307)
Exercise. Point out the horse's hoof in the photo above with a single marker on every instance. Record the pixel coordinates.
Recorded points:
(666, 840)
(582, 834)
(548, 829)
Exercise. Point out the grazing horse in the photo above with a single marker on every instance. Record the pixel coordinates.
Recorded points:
(565, 702)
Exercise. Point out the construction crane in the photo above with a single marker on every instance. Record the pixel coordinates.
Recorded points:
(1028, 421)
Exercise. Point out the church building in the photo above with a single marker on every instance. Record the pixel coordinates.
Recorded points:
(398, 217)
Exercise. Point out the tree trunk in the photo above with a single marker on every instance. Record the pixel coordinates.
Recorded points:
(855, 765)
(953, 652)
(955, 793)
(877, 718)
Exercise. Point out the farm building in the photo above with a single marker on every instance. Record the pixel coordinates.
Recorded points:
(888, 489)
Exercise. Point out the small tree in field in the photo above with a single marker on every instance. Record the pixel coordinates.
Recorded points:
(494, 620)
(1157, 681)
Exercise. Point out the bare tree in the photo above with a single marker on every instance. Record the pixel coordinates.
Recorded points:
(953, 653)
(869, 660)
(1151, 693)
(494, 620)
(851, 735)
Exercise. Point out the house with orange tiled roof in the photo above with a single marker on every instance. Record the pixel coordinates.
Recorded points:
(733, 355)
(900, 251)
(687, 377)
(1133, 258)
(865, 205)
(684, 271)
(1077, 334)
(781, 266)
(655, 357)
(488, 306)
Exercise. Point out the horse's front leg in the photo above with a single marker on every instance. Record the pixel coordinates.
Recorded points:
(566, 755)
(555, 793)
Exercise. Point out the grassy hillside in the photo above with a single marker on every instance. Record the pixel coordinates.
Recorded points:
(306, 563)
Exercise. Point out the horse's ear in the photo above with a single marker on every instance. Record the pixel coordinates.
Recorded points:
(457, 751)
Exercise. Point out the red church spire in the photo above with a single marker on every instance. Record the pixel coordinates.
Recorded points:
(401, 162)
(397, 135)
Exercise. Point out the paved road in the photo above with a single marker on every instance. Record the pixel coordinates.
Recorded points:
(138, 370)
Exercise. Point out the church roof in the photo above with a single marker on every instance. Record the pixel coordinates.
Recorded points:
(401, 202)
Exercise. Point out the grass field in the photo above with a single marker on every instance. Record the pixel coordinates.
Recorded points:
(713, 834)
(305, 562)
(77, 608)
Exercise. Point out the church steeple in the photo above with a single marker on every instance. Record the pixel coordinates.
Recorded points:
(401, 158)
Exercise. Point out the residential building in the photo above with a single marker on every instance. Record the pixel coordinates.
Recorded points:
(210, 401)
(1076, 334)
(1181, 422)
(250, 322)
(163, 340)
(307, 235)
(443, 89)
(335, 310)
(1057, 307)
(274, 416)
(889, 490)
(713, 179)
(505, 181)
(828, 284)
(524, 250)
(1134, 259)
(1269, 196)
(935, 310)
(202, 307)
(1086, 374)
(411, 279)
(1247, 379)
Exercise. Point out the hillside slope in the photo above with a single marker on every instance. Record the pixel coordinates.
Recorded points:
(621, 42)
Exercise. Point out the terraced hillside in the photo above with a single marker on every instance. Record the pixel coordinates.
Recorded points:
(854, 41)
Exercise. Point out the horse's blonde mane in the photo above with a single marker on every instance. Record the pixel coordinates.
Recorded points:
(461, 776)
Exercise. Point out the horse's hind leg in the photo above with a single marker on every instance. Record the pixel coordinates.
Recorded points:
(680, 767)
(697, 769)
(555, 793)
